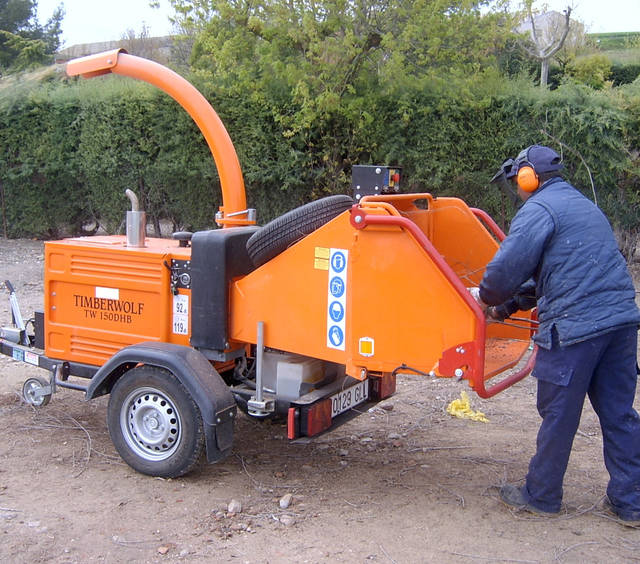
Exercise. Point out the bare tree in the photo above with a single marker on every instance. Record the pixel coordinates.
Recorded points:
(548, 33)
(143, 45)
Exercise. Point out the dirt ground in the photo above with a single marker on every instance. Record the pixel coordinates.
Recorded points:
(404, 482)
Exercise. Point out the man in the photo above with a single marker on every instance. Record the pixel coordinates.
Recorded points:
(561, 246)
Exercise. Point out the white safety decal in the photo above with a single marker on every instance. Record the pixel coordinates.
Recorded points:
(107, 293)
(180, 314)
(337, 299)
(31, 358)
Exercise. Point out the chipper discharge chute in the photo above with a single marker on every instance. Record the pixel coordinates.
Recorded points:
(305, 318)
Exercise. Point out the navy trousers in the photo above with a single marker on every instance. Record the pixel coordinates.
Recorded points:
(604, 368)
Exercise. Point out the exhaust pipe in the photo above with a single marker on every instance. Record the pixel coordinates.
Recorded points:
(136, 222)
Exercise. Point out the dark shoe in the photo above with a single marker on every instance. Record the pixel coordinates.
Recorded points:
(512, 496)
(626, 518)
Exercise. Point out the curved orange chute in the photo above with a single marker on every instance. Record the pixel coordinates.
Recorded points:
(234, 203)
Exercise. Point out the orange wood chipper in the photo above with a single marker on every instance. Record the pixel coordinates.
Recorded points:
(304, 318)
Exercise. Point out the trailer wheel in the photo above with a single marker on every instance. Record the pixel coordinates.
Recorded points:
(31, 392)
(154, 423)
(282, 232)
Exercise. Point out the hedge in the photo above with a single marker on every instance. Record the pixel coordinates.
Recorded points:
(69, 150)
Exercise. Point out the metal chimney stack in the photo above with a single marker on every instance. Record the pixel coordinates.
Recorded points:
(136, 222)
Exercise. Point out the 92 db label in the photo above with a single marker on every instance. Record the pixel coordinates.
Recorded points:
(346, 399)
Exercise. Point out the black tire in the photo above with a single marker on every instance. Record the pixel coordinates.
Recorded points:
(282, 232)
(154, 423)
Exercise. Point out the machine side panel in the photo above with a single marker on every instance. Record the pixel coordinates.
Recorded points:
(399, 307)
(101, 296)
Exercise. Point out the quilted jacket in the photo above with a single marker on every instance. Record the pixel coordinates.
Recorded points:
(564, 243)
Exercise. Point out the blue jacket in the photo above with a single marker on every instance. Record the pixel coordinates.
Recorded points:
(565, 243)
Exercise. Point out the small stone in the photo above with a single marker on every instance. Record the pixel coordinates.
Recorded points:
(343, 452)
(343, 463)
(365, 440)
(279, 474)
(235, 506)
(184, 552)
(386, 406)
(393, 436)
(7, 515)
(307, 467)
(163, 549)
(285, 501)
(287, 520)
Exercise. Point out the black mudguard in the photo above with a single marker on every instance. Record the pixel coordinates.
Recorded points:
(207, 388)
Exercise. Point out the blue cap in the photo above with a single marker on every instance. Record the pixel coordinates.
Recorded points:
(541, 158)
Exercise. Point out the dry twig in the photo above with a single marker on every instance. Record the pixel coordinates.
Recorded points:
(493, 559)
(387, 554)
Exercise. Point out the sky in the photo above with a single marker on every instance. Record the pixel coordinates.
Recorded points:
(88, 21)
(601, 16)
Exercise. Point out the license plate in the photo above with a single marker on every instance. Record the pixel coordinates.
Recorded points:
(346, 399)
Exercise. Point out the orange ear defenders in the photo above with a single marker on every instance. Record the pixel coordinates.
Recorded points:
(526, 178)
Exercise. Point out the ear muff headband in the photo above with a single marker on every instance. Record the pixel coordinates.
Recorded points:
(527, 178)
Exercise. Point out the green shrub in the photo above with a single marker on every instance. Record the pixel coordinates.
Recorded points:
(624, 74)
(593, 70)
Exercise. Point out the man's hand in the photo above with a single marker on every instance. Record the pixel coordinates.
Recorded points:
(475, 293)
(493, 314)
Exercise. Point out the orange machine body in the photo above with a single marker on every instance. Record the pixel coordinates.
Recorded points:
(101, 296)
(381, 287)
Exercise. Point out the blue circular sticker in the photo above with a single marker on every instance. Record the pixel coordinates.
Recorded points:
(336, 287)
(336, 336)
(336, 311)
(338, 261)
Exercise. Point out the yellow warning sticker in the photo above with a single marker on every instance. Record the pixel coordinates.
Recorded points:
(321, 258)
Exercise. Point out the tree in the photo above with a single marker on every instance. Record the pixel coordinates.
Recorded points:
(23, 41)
(548, 32)
(142, 44)
(321, 50)
(318, 68)
(574, 44)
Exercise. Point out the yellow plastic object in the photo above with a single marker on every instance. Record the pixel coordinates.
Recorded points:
(461, 408)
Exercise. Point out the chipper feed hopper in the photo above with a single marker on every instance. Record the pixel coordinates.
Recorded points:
(304, 318)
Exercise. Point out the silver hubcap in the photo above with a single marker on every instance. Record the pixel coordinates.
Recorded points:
(150, 423)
